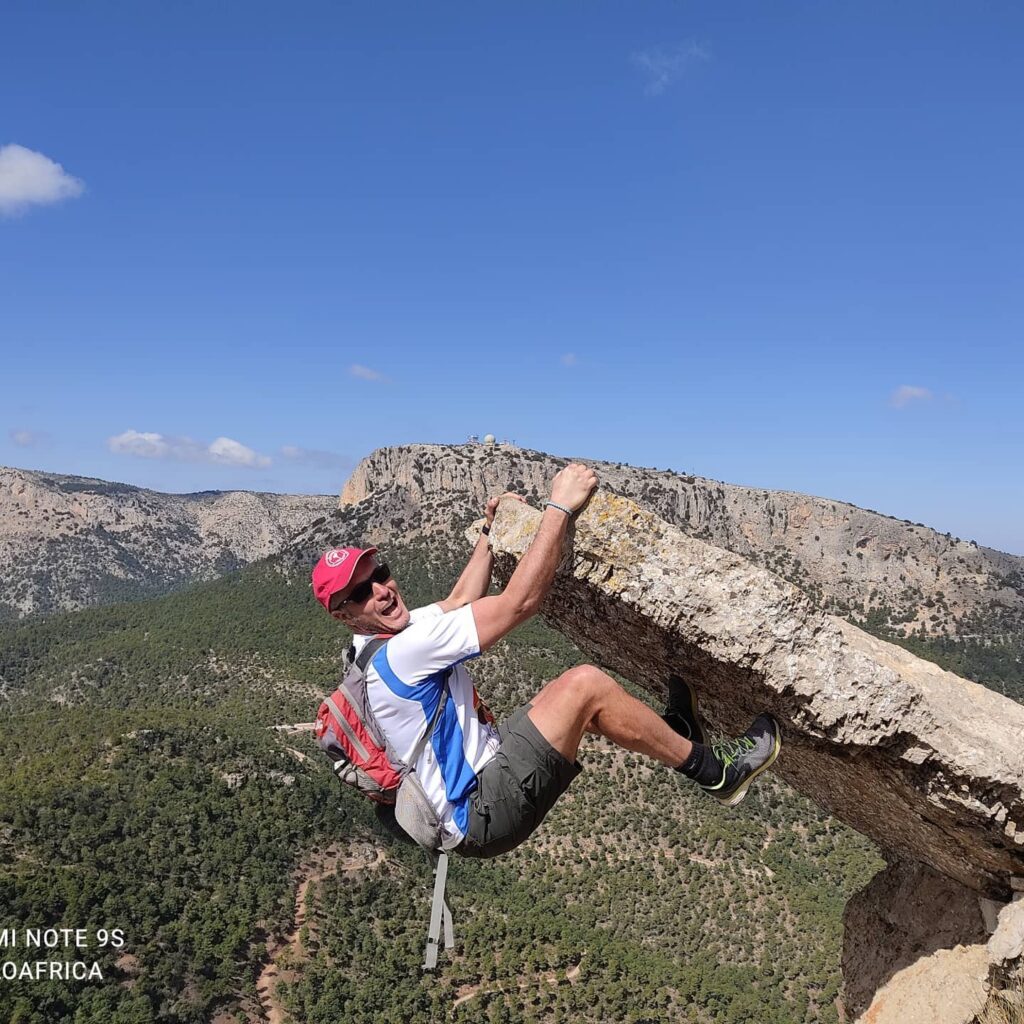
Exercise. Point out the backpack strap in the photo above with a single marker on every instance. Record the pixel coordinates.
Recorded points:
(434, 722)
(438, 911)
(370, 648)
(362, 662)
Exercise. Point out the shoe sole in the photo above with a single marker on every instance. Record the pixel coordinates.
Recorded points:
(741, 792)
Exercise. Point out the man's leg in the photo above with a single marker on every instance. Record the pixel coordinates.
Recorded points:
(585, 699)
(589, 727)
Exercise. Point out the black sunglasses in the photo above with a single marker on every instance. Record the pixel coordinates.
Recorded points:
(380, 575)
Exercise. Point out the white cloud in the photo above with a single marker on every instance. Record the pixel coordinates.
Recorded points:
(148, 446)
(28, 178)
(234, 453)
(27, 438)
(316, 458)
(907, 393)
(365, 373)
(223, 451)
(662, 66)
(569, 359)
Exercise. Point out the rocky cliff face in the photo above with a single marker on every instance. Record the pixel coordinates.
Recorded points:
(929, 765)
(849, 560)
(68, 541)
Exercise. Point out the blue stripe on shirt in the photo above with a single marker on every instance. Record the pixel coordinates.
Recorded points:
(427, 691)
(448, 741)
(459, 778)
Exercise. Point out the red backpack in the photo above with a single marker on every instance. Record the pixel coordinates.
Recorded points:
(348, 733)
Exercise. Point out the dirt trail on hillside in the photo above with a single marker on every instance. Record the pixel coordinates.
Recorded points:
(358, 855)
(467, 992)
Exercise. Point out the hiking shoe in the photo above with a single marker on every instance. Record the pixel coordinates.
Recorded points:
(743, 759)
(681, 713)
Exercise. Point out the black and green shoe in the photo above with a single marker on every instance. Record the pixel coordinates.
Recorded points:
(681, 713)
(743, 759)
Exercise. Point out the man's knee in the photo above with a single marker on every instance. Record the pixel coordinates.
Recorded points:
(587, 681)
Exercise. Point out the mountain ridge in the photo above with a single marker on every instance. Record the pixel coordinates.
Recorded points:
(68, 541)
(852, 561)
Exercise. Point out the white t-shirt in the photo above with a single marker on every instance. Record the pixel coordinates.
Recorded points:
(403, 684)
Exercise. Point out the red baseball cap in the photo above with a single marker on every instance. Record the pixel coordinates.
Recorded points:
(335, 570)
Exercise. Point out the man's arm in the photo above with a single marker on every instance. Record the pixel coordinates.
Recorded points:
(531, 581)
(476, 577)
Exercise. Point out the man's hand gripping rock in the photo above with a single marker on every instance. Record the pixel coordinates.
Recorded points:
(572, 487)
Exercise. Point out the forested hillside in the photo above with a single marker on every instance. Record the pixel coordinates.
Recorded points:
(160, 801)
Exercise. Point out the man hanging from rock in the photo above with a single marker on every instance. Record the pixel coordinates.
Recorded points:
(492, 787)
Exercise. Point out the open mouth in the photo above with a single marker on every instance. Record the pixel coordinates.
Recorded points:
(390, 608)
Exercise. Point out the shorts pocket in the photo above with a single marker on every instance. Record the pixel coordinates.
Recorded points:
(504, 816)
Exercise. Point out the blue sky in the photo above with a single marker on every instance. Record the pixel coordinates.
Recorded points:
(773, 244)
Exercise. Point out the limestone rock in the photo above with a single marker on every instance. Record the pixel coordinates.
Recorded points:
(1007, 942)
(909, 913)
(928, 765)
(914, 915)
(949, 986)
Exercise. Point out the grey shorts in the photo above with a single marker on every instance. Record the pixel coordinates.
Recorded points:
(516, 789)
